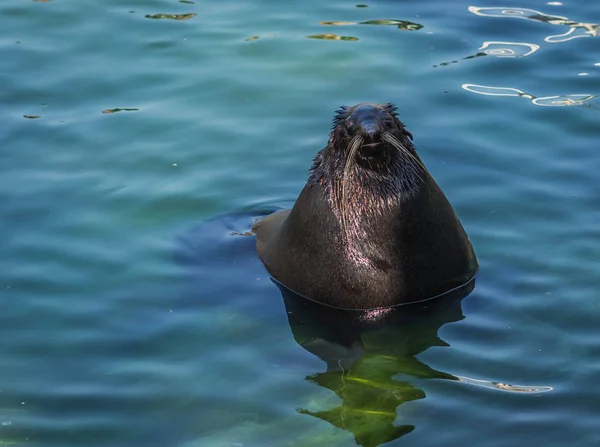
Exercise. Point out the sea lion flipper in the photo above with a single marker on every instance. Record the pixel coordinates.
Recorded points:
(270, 223)
(267, 229)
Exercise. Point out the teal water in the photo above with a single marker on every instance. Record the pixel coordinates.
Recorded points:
(130, 314)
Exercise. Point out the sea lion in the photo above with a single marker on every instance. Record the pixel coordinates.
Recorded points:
(371, 228)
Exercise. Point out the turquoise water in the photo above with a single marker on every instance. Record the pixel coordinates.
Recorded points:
(130, 314)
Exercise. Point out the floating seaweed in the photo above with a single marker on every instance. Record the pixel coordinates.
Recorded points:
(108, 111)
(401, 24)
(171, 16)
(330, 36)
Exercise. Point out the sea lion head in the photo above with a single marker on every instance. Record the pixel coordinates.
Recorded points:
(375, 126)
(369, 159)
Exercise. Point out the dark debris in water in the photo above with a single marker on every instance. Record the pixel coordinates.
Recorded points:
(32, 117)
(108, 111)
(330, 36)
(473, 56)
(171, 16)
(401, 24)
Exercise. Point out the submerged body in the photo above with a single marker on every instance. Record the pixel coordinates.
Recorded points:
(371, 228)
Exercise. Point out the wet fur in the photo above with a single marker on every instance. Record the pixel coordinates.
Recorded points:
(375, 233)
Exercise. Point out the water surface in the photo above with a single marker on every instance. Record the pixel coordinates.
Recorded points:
(131, 318)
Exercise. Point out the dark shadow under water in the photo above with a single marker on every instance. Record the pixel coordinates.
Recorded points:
(370, 356)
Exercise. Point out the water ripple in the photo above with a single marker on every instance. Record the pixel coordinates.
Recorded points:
(509, 49)
(546, 101)
(112, 337)
(577, 29)
(500, 49)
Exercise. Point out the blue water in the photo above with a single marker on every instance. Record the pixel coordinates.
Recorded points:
(136, 136)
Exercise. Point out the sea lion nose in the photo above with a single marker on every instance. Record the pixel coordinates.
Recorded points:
(370, 131)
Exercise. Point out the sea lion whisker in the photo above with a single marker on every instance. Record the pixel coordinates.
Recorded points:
(404, 152)
(391, 139)
(354, 145)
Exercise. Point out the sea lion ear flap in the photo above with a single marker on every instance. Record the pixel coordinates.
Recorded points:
(390, 108)
(340, 115)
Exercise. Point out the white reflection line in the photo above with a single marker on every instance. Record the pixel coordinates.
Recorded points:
(591, 32)
(517, 13)
(505, 386)
(567, 101)
(546, 101)
(513, 91)
(532, 48)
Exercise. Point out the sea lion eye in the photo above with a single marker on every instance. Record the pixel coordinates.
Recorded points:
(388, 122)
(350, 128)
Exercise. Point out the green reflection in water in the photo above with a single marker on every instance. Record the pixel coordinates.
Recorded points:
(370, 396)
(336, 23)
(366, 353)
(372, 364)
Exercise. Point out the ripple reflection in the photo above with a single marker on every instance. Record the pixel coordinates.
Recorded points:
(500, 49)
(366, 354)
(546, 101)
(509, 49)
(577, 29)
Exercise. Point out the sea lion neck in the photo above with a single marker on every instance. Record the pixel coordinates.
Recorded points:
(395, 177)
(368, 169)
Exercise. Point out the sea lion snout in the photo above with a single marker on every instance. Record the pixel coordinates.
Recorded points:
(368, 121)
(367, 126)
